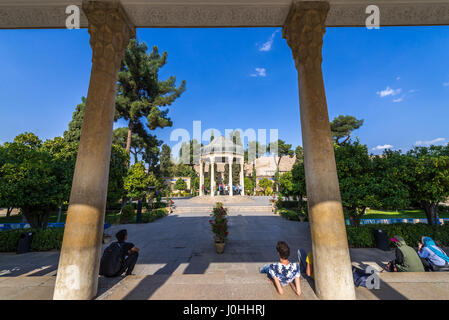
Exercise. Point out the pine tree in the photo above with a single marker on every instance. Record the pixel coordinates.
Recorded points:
(140, 92)
(73, 134)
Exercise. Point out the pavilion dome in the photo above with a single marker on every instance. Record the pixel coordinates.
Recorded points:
(222, 145)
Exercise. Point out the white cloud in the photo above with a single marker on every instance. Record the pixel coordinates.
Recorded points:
(428, 143)
(268, 45)
(388, 92)
(260, 72)
(385, 146)
(398, 99)
(445, 84)
(412, 91)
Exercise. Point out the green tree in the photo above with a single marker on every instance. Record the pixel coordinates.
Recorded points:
(254, 151)
(166, 162)
(182, 170)
(254, 179)
(265, 184)
(189, 153)
(249, 186)
(73, 134)
(63, 160)
(137, 181)
(180, 185)
(140, 92)
(118, 170)
(299, 182)
(286, 185)
(342, 127)
(356, 180)
(137, 185)
(28, 180)
(392, 177)
(280, 149)
(299, 153)
(430, 183)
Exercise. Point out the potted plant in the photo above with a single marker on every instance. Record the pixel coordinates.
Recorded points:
(302, 214)
(219, 225)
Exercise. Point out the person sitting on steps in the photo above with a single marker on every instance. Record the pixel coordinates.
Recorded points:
(119, 257)
(283, 272)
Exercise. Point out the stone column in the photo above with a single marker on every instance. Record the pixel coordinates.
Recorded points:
(242, 176)
(230, 176)
(201, 177)
(212, 177)
(77, 277)
(304, 30)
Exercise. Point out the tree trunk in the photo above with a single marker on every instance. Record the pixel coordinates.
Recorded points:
(59, 213)
(8, 212)
(300, 201)
(354, 218)
(139, 211)
(427, 206)
(128, 140)
(44, 219)
(435, 213)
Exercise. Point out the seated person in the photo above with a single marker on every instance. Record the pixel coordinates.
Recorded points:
(431, 255)
(119, 257)
(407, 260)
(284, 272)
(306, 262)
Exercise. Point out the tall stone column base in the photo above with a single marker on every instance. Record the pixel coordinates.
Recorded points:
(77, 277)
(304, 30)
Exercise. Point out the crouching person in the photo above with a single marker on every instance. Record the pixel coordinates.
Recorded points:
(119, 257)
(407, 260)
(284, 272)
(432, 256)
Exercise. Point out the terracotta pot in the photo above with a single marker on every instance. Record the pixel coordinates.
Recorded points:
(219, 246)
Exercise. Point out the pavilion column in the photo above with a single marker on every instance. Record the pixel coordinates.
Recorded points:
(77, 277)
(212, 177)
(230, 176)
(201, 177)
(304, 30)
(242, 176)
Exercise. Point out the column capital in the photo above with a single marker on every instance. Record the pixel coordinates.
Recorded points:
(110, 30)
(304, 29)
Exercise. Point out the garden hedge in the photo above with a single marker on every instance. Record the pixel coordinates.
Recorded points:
(363, 236)
(43, 240)
(153, 215)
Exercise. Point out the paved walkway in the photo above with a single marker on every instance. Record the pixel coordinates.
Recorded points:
(178, 261)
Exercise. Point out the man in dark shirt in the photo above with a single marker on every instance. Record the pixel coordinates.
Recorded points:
(129, 253)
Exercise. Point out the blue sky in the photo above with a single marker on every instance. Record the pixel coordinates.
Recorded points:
(395, 78)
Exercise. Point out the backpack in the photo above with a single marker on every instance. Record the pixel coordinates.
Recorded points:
(360, 276)
(111, 261)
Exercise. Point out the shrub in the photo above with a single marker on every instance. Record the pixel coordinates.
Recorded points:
(128, 212)
(47, 239)
(219, 223)
(9, 240)
(153, 215)
(363, 237)
(289, 214)
(43, 239)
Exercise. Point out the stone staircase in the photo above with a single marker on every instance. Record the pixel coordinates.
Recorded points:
(231, 209)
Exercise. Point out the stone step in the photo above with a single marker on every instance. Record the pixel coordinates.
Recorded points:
(232, 209)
